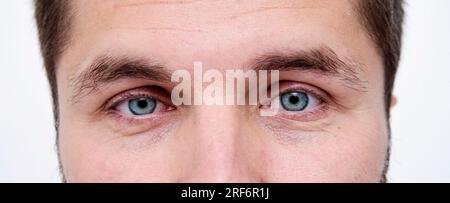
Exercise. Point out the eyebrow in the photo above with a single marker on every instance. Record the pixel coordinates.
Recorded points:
(106, 69)
(322, 60)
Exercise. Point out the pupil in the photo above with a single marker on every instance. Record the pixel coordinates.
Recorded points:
(294, 99)
(142, 103)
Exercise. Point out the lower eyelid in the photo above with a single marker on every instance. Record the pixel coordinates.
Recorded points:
(309, 115)
(128, 126)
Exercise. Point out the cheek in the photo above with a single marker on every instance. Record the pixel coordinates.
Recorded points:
(354, 152)
(360, 150)
(93, 151)
(112, 164)
(82, 157)
(88, 154)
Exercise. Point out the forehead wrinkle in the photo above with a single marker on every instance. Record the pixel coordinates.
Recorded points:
(198, 29)
(158, 2)
(266, 9)
(118, 9)
(159, 28)
(186, 17)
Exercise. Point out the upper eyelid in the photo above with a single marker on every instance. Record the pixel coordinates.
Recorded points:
(316, 91)
(133, 93)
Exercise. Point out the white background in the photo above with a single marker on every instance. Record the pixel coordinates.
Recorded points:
(420, 121)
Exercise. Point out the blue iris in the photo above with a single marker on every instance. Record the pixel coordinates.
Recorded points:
(294, 101)
(142, 106)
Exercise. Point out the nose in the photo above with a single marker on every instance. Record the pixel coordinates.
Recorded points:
(220, 147)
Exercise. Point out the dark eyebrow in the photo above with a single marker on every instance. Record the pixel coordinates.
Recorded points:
(106, 69)
(322, 60)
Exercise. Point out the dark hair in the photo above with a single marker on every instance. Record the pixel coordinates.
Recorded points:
(383, 20)
(53, 23)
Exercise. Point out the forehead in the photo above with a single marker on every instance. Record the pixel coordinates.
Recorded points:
(229, 29)
(206, 14)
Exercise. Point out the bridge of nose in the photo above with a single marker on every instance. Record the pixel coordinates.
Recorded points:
(221, 145)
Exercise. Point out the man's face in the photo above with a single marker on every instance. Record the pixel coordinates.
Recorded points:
(118, 123)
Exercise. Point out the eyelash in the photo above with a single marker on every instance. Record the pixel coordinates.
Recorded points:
(150, 92)
(305, 88)
(156, 93)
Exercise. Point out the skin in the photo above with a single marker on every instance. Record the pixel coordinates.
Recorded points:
(347, 142)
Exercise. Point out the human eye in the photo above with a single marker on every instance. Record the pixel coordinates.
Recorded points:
(138, 105)
(300, 102)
